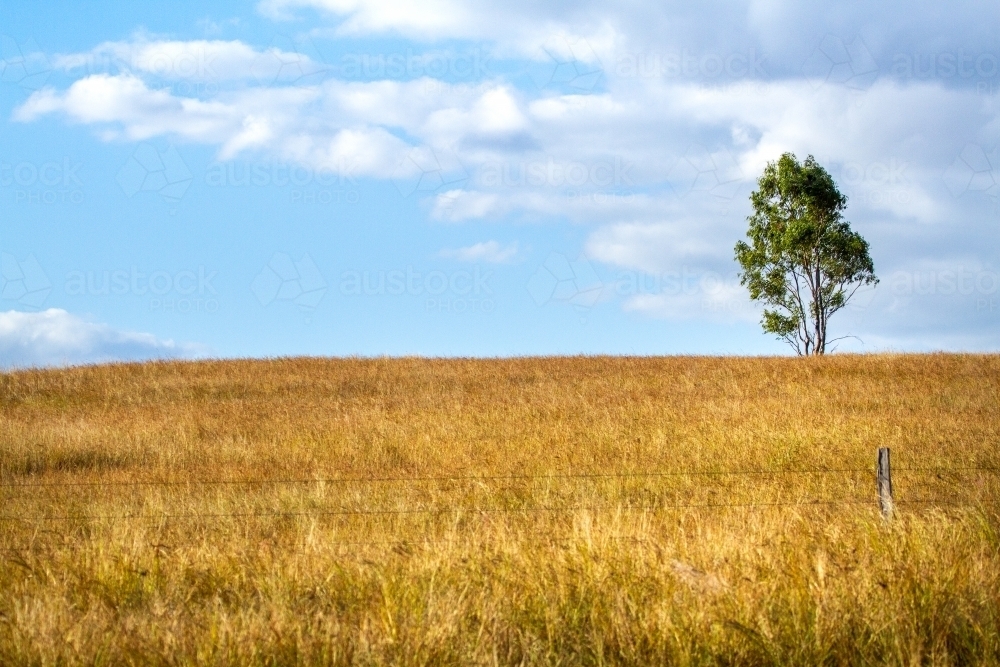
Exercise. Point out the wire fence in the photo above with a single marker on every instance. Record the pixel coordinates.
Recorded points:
(486, 478)
(403, 544)
(474, 509)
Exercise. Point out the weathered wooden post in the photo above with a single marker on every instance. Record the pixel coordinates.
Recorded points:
(883, 481)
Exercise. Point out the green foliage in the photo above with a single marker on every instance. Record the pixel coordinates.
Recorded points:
(803, 260)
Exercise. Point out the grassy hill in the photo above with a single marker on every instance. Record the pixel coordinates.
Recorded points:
(584, 510)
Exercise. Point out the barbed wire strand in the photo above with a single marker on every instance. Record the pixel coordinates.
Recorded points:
(589, 539)
(399, 542)
(469, 510)
(481, 478)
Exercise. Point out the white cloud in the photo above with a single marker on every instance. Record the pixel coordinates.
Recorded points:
(54, 338)
(706, 296)
(782, 34)
(429, 18)
(370, 151)
(656, 246)
(657, 162)
(212, 61)
(268, 120)
(459, 205)
(144, 113)
(630, 137)
(518, 26)
(487, 251)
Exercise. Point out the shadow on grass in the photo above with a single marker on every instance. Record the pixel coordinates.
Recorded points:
(43, 462)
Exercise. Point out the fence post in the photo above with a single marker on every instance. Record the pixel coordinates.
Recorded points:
(883, 481)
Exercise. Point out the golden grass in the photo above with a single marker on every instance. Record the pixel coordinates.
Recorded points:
(411, 511)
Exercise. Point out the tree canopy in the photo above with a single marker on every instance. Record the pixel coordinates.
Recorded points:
(801, 258)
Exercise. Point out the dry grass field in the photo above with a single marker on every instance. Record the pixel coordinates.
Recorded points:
(552, 511)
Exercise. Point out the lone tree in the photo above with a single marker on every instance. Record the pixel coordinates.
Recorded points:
(803, 260)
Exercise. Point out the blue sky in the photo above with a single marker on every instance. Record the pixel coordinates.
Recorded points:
(345, 177)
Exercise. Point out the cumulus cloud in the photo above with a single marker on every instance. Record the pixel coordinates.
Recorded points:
(519, 26)
(656, 246)
(193, 60)
(546, 153)
(458, 205)
(429, 19)
(647, 123)
(55, 337)
(127, 101)
(696, 297)
(780, 35)
(487, 251)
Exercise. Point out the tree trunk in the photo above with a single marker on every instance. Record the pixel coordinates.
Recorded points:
(820, 311)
